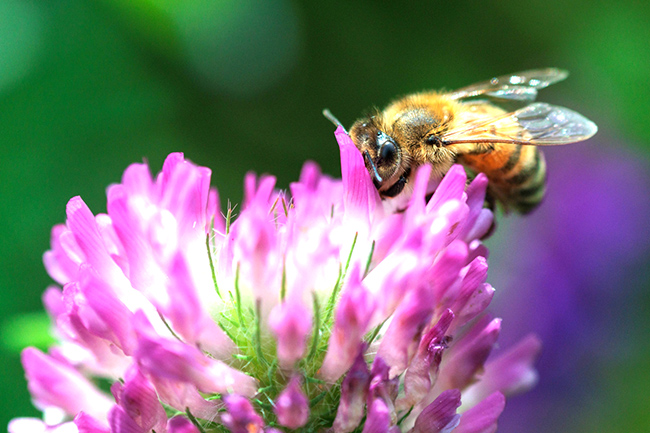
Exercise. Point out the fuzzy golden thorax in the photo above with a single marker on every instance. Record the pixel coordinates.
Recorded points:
(404, 136)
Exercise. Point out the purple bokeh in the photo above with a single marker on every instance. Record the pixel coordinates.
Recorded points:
(568, 272)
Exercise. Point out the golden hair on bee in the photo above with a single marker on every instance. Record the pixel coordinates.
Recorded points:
(471, 127)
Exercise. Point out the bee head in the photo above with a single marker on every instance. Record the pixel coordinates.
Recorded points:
(380, 151)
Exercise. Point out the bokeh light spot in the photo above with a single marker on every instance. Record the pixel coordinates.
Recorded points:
(240, 48)
(21, 31)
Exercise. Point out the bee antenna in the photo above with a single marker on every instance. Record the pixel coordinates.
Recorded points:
(366, 156)
(328, 114)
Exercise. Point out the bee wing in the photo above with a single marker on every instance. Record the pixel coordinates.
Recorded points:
(540, 124)
(521, 86)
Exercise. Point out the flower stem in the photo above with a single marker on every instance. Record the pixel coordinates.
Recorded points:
(316, 334)
(214, 273)
(283, 286)
(240, 315)
(258, 332)
(372, 251)
(193, 420)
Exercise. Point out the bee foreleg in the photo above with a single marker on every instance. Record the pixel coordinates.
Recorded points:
(396, 188)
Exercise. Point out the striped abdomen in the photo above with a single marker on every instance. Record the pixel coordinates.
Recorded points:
(517, 174)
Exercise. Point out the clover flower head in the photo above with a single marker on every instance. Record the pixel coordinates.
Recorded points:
(314, 309)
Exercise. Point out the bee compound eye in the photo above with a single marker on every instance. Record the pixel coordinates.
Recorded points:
(388, 151)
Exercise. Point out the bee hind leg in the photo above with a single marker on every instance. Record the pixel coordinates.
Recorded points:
(490, 202)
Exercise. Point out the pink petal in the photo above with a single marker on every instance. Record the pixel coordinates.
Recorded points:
(187, 313)
(175, 360)
(417, 201)
(361, 197)
(354, 391)
(440, 416)
(257, 193)
(382, 392)
(291, 324)
(483, 417)
(137, 180)
(81, 325)
(129, 221)
(310, 177)
(183, 395)
(316, 195)
(121, 422)
(479, 220)
(113, 319)
(185, 189)
(292, 405)
(379, 417)
(305, 194)
(172, 160)
(403, 270)
(139, 400)
(476, 249)
(352, 316)
(511, 372)
(60, 262)
(82, 224)
(478, 301)
(399, 343)
(180, 424)
(53, 383)
(476, 195)
(473, 282)
(425, 364)
(452, 187)
(447, 270)
(467, 356)
(87, 424)
(183, 310)
(255, 251)
(53, 301)
(240, 416)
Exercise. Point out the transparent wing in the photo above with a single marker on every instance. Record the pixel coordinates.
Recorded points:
(521, 86)
(540, 124)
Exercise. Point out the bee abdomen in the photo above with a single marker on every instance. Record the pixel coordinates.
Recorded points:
(517, 175)
(524, 181)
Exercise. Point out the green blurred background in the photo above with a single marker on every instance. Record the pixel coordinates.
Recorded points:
(88, 87)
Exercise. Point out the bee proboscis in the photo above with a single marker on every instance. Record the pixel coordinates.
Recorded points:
(470, 126)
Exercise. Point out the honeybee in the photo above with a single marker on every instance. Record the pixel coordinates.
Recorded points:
(470, 126)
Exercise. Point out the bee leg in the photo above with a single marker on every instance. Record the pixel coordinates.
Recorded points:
(490, 202)
(396, 188)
